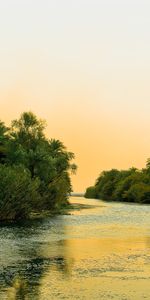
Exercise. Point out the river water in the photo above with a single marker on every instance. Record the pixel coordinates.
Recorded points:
(99, 251)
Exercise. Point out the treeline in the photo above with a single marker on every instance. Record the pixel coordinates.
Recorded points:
(131, 185)
(34, 171)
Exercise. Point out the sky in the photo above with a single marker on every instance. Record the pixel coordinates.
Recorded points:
(84, 66)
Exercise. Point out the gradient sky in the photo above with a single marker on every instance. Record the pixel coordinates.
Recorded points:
(84, 66)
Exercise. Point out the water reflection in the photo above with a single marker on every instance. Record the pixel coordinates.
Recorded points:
(35, 256)
(25, 280)
(92, 254)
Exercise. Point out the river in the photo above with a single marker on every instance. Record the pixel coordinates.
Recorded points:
(99, 251)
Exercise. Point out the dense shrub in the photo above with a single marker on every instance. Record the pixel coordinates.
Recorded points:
(91, 192)
(127, 185)
(17, 192)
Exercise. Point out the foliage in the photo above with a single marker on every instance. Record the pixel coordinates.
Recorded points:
(3, 141)
(131, 185)
(17, 192)
(34, 170)
(91, 192)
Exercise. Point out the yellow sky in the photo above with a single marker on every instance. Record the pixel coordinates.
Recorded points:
(84, 66)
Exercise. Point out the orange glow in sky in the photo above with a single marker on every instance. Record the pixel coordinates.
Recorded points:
(84, 66)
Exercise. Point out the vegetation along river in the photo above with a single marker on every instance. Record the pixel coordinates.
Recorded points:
(99, 251)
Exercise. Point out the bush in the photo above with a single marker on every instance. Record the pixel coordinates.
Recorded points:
(139, 192)
(130, 185)
(17, 192)
(91, 192)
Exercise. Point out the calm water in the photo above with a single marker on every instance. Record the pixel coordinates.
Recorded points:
(101, 251)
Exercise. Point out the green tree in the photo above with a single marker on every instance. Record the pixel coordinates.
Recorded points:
(91, 192)
(139, 192)
(105, 184)
(17, 192)
(3, 141)
(45, 161)
(130, 185)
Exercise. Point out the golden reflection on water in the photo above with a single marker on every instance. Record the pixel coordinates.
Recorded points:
(17, 290)
(92, 259)
(96, 268)
(101, 268)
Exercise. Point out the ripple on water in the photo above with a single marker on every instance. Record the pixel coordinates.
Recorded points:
(99, 251)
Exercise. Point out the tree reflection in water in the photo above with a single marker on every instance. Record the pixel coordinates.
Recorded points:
(22, 280)
(97, 253)
(25, 279)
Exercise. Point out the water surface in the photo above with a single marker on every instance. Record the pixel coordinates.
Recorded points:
(100, 251)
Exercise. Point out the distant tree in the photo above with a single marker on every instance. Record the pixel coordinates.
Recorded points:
(130, 185)
(139, 192)
(91, 192)
(105, 184)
